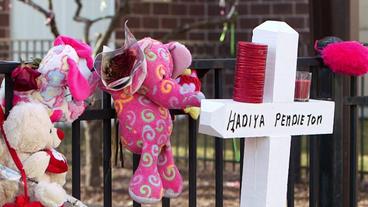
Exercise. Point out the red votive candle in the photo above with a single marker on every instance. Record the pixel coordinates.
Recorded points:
(250, 72)
(302, 86)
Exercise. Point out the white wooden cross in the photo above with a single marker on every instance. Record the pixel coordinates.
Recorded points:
(270, 124)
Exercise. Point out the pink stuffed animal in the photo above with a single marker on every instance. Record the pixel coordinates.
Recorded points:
(62, 82)
(146, 124)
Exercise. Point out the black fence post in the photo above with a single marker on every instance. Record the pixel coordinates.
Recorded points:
(9, 93)
(297, 144)
(219, 148)
(314, 144)
(362, 126)
(242, 144)
(192, 162)
(76, 168)
(314, 171)
(136, 158)
(165, 202)
(106, 104)
(353, 145)
(334, 177)
(291, 176)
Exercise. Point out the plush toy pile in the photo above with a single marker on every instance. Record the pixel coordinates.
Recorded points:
(53, 92)
(145, 78)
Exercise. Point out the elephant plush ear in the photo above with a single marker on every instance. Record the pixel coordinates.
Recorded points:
(182, 58)
(78, 84)
(83, 50)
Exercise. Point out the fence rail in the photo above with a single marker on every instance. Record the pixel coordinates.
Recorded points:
(23, 49)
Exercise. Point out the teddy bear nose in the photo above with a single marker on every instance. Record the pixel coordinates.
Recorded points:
(60, 134)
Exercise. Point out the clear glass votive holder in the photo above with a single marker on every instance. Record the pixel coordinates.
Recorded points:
(302, 86)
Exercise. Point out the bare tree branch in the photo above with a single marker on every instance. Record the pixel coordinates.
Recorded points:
(51, 5)
(115, 21)
(98, 36)
(230, 17)
(49, 15)
(102, 18)
(77, 16)
(87, 22)
(35, 6)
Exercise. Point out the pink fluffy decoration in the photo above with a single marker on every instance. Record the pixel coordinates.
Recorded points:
(349, 58)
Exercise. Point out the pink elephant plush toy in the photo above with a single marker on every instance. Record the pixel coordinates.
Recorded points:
(145, 121)
(62, 82)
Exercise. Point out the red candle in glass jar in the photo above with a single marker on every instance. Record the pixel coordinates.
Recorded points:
(302, 86)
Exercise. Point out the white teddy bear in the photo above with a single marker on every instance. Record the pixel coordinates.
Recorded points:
(31, 133)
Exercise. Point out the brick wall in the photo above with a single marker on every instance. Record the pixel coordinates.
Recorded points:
(155, 19)
(151, 18)
(4, 18)
(4, 29)
(148, 18)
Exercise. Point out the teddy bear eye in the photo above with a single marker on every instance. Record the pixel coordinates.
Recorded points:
(50, 131)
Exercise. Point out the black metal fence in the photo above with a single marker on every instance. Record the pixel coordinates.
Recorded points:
(326, 171)
(325, 86)
(24, 49)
